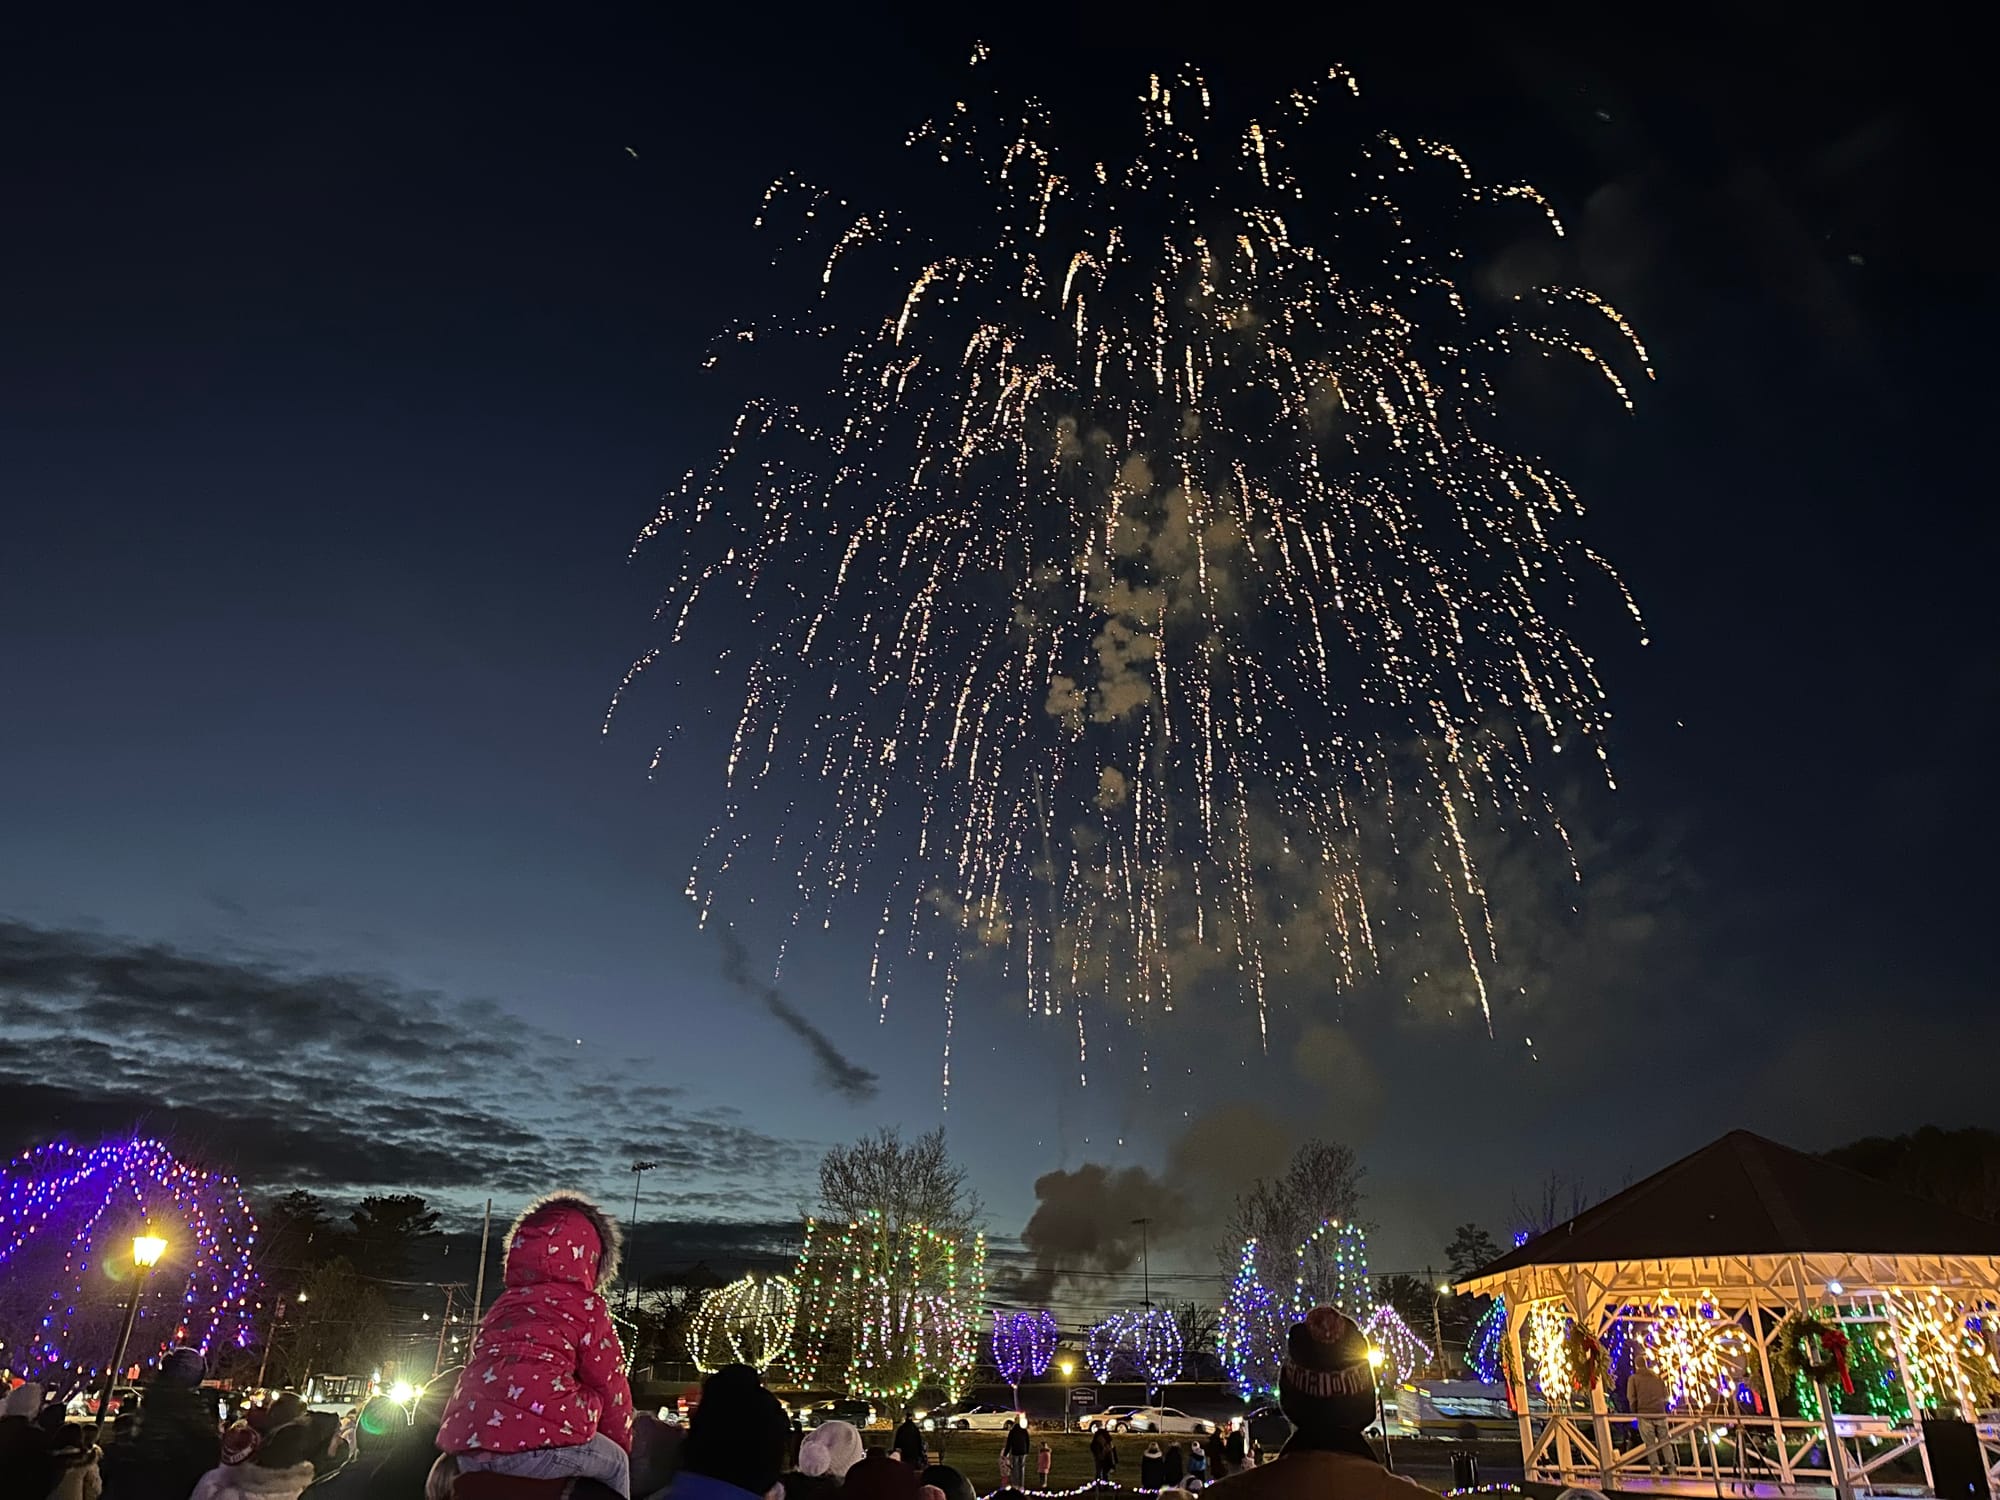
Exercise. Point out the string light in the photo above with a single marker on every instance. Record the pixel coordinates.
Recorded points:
(1544, 1333)
(1701, 1354)
(1149, 1336)
(99, 1198)
(1329, 1266)
(748, 1322)
(1947, 1365)
(1252, 1343)
(1023, 1344)
(886, 1311)
(1406, 1353)
(1489, 1337)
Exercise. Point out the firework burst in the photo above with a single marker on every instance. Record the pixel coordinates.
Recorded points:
(1152, 600)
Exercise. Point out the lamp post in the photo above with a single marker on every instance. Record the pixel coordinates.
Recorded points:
(1068, 1368)
(147, 1248)
(1376, 1359)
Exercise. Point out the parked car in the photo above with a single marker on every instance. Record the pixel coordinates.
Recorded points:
(860, 1413)
(1148, 1419)
(84, 1403)
(971, 1416)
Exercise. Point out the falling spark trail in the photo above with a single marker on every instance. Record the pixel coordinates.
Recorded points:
(1149, 599)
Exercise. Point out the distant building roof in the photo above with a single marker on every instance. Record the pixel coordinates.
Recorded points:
(1745, 1195)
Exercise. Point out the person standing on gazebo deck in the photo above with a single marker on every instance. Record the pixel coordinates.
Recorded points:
(1646, 1393)
(1327, 1388)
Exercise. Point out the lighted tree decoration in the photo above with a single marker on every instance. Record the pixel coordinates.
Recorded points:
(1405, 1353)
(1489, 1338)
(1545, 1342)
(748, 1322)
(883, 1312)
(1150, 1338)
(1252, 1337)
(1023, 1344)
(1329, 1267)
(1948, 1366)
(1700, 1353)
(67, 1220)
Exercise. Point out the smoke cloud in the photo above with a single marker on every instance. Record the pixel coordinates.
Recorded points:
(1085, 1221)
(835, 1070)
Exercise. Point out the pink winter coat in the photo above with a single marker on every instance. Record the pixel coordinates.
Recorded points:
(546, 1370)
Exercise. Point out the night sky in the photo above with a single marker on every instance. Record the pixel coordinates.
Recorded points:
(343, 359)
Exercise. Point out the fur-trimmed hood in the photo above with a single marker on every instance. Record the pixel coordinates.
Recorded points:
(551, 1241)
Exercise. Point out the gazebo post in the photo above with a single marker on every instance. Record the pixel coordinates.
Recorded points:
(1516, 1372)
(1909, 1393)
(1836, 1457)
(1763, 1330)
(1600, 1414)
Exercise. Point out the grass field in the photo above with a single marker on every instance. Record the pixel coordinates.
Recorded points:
(976, 1455)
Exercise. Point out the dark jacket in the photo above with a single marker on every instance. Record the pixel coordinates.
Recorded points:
(1295, 1475)
(402, 1474)
(910, 1443)
(164, 1450)
(1016, 1445)
(351, 1480)
(27, 1467)
(1152, 1469)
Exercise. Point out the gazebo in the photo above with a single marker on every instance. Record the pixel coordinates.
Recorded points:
(1712, 1266)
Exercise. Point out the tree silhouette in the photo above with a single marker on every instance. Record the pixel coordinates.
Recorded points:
(388, 1229)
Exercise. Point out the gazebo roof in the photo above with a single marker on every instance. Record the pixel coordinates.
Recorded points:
(1745, 1195)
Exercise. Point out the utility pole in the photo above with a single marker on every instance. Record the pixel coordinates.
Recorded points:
(632, 1286)
(277, 1317)
(444, 1329)
(479, 1284)
(1437, 1324)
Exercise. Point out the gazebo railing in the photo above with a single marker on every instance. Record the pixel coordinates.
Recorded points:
(1728, 1449)
(1580, 1444)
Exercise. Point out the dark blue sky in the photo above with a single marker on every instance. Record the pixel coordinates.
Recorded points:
(342, 359)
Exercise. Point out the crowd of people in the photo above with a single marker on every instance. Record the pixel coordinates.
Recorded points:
(542, 1411)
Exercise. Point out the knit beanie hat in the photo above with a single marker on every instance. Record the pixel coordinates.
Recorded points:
(381, 1422)
(830, 1448)
(881, 1477)
(288, 1446)
(738, 1433)
(240, 1443)
(944, 1477)
(184, 1367)
(1325, 1382)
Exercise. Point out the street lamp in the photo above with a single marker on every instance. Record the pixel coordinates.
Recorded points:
(1068, 1368)
(147, 1248)
(1376, 1359)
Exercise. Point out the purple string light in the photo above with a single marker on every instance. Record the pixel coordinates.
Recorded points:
(66, 1214)
(1023, 1344)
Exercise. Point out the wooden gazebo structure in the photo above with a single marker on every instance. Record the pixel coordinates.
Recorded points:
(1721, 1247)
